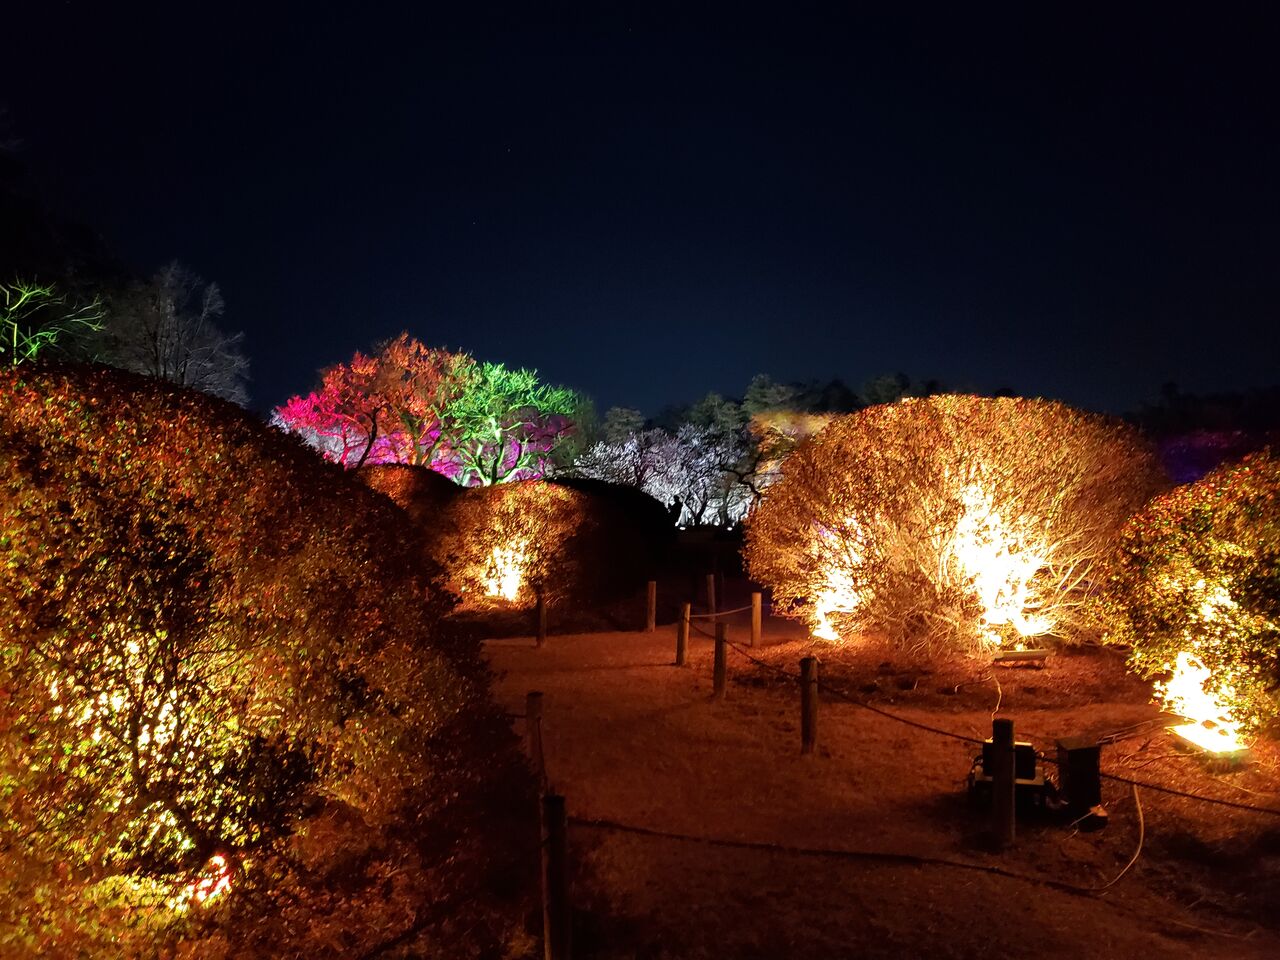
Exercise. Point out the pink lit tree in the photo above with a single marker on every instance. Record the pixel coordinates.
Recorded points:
(477, 423)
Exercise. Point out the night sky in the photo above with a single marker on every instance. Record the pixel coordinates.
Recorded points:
(646, 205)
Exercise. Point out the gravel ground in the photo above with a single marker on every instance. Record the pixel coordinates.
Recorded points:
(633, 740)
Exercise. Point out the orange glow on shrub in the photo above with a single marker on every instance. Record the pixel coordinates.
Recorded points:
(212, 883)
(949, 524)
(506, 574)
(1211, 725)
(979, 550)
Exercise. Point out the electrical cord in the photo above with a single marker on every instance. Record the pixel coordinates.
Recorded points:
(842, 695)
(1142, 833)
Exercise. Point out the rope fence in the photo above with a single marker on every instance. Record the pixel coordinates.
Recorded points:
(840, 694)
(847, 697)
(887, 856)
(556, 821)
(1001, 777)
(718, 613)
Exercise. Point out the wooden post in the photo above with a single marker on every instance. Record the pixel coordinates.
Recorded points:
(556, 914)
(533, 734)
(808, 704)
(651, 610)
(720, 661)
(682, 634)
(755, 618)
(542, 620)
(711, 593)
(1002, 783)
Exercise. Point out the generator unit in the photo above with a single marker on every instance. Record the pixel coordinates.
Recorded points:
(1030, 786)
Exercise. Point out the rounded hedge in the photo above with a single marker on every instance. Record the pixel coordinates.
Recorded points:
(1199, 574)
(950, 523)
(229, 722)
(419, 491)
(502, 545)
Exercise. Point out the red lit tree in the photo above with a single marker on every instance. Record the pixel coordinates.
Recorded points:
(384, 408)
(478, 423)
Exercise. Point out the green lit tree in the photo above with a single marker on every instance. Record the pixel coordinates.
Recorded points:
(476, 423)
(764, 394)
(504, 424)
(34, 317)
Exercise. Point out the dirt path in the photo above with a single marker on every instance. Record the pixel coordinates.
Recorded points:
(631, 739)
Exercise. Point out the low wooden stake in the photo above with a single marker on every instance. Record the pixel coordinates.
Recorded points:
(682, 634)
(756, 604)
(651, 610)
(720, 666)
(1003, 786)
(533, 734)
(556, 912)
(542, 620)
(711, 593)
(808, 704)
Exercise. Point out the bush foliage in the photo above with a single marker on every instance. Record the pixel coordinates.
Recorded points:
(504, 544)
(419, 491)
(1199, 573)
(950, 523)
(219, 663)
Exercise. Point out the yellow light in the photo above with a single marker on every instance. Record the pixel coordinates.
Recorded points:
(837, 596)
(990, 556)
(213, 883)
(1210, 726)
(999, 565)
(505, 575)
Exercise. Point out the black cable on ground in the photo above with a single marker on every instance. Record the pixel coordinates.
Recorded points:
(836, 691)
(883, 856)
(909, 859)
(1190, 796)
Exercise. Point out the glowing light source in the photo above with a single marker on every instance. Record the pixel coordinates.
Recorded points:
(506, 572)
(1188, 693)
(999, 565)
(979, 550)
(212, 883)
(838, 596)
(838, 593)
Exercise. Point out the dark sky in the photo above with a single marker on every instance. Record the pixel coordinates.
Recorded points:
(645, 204)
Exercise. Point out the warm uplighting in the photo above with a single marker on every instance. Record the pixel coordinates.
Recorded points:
(981, 551)
(1210, 726)
(213, 882)
(837, 593)
(837, 596)
(1000, 566)
(505, 575)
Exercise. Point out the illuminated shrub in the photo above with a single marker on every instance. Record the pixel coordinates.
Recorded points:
(1197, 594)
(503, 544)
(950, 522)
(419, 491)
(229, 724)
